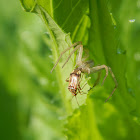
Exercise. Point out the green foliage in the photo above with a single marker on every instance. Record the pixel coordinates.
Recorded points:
(36, 104)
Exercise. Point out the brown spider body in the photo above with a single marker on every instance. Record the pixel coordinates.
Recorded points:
(74, 82)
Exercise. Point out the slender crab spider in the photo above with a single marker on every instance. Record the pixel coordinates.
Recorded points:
(83, 67)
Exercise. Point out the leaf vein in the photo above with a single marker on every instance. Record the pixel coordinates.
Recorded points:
(58, 5)
(70, 13)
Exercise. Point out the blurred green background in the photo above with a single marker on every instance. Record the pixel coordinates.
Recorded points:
(25, 63)
(32, 105)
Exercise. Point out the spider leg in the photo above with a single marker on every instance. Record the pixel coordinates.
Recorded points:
(79, 91)
(77, 101)
(67, 80)
(79, 88)
(86, 56)
(76, 48)
(82, 93)
(79, 56)
(81, 78)
(116, 84)
(84, 85)
(63, 53)
(97, 80)
(98, 68)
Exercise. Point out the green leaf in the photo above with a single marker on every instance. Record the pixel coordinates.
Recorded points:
(67, 14)
(108, 34)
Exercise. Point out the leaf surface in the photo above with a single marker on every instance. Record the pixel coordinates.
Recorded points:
(106, 33)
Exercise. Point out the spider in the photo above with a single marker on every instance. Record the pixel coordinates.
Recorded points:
(83, 67)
